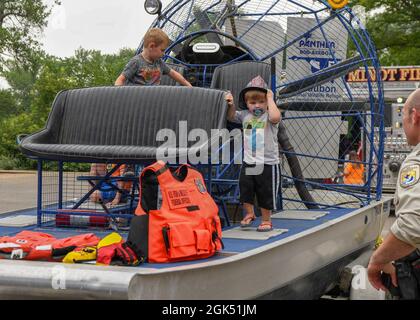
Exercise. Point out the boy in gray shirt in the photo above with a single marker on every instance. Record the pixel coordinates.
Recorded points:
(146, 68)
(260, 118)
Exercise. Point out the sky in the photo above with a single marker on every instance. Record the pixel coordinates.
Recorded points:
(106, 25)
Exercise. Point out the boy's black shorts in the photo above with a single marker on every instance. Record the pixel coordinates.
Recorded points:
(265, 186)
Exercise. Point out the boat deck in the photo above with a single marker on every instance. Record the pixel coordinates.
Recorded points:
(311, 252)
(236, 239)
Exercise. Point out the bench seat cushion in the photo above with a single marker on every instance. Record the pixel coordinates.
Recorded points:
(121, 123)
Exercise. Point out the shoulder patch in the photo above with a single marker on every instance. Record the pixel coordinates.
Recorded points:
(410, 175)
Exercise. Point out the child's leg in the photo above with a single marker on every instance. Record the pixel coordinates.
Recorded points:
(97, 169)
(247, 193)
(268, 187)
(265, 215)
(95, 196)
(118, 195)
(266, 224)
(249, 214)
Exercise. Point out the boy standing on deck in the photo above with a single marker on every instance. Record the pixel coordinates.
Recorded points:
(146, 68)
(260, 119)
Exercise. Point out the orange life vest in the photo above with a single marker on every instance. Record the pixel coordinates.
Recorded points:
(30, 245)
(187, 225)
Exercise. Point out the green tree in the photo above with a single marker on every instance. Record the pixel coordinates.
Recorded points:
(395, 28)
(8, 104)
(22, 80)
(86, 68)
(21, 22)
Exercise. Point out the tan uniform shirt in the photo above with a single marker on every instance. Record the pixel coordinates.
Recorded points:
(407, 200)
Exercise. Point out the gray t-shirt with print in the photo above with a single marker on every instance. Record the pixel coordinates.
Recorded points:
(260, 138)
(138, 71)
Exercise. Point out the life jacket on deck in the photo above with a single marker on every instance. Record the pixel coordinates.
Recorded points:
(111, 250)
(30, 245)
(186, 226)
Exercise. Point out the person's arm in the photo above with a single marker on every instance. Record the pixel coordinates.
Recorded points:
(120, 80)
(381, 261)
(120, 185)
(404, 235)
(128, 73)
(274, 115)
(179, 78)
(231, 113)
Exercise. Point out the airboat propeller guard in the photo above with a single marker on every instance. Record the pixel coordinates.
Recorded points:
(328, 74)
(187, 52)
(338, 4)
(312, 42)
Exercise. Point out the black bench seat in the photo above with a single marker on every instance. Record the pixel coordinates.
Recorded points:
(119, 124)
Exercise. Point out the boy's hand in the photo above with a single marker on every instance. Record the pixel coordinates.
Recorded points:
(229, 98)
(270, 95)
(274, 115)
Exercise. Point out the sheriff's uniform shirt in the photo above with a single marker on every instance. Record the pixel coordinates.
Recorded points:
(407, 200)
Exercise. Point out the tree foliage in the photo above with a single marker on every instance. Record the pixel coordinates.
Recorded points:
(394, 26)
(21, 22)
(87, 68)
(7, 103)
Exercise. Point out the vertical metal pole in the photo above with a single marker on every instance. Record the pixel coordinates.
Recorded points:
(280, 193)
(39, 200)
(60, 184)
(209, 179)
(279, 200)
(273, 76)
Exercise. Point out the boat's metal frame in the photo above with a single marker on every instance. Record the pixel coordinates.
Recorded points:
(279, 269)
(282, 268)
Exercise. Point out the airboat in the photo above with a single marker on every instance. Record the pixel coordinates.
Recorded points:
(304, 50)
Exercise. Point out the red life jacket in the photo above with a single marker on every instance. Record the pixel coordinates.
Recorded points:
(113, 250)
(30, 245)
(187, 225)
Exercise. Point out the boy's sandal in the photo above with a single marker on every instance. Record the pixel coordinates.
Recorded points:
(265, 226)
(247, 220)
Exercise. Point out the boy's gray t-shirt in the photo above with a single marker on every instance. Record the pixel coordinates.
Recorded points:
(260, 138)
(138, 71)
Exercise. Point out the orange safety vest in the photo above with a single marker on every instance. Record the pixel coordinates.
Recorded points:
(187, 225)
(30, 245)
(353, 174)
